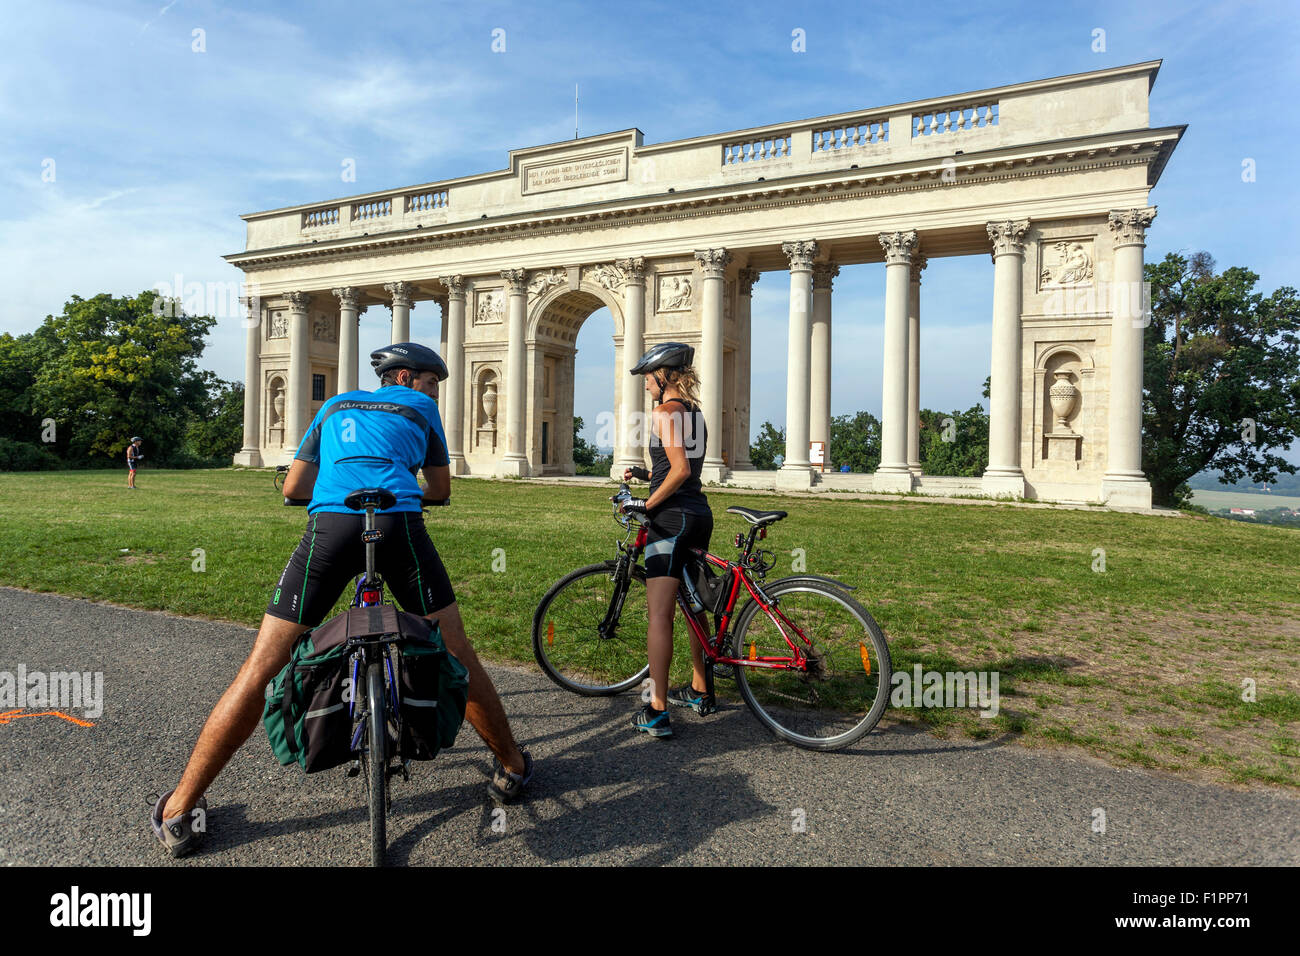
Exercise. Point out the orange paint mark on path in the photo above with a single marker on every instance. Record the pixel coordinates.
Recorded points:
(12, 715)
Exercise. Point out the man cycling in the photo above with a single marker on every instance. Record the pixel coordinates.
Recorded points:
(357, 440)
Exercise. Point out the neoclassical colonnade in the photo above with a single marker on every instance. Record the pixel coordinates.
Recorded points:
(809, 350)
(1051, 178)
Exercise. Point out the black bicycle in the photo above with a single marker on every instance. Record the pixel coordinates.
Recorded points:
(375, 707)
(278, 480)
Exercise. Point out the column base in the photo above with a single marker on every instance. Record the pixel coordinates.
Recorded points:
(458, 465)
(914, 468)
(248, 457)
(512, 468)
(795, 478)
(1126, 492)
(1003, 486)
(894, 481)
(714, 471)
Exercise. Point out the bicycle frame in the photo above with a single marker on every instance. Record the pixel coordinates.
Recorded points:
(738, 574)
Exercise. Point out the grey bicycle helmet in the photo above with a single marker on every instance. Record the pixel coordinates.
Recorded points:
(135, 439)
(408, 355)
(665, 355)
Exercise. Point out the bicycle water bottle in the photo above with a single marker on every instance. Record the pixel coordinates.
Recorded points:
(692, 595)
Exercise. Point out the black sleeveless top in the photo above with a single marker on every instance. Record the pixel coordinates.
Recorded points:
(691, 426)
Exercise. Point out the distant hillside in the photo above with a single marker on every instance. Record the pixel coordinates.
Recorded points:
(1209, 481)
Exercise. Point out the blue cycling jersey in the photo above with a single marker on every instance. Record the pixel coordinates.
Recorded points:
(373, 440)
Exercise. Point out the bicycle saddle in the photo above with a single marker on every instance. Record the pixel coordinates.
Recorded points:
(381, 498)
(756, 518)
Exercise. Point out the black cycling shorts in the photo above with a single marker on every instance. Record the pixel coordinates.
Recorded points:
(331, 553)
(670, 536)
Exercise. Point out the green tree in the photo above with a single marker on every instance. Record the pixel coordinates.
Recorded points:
(855, 441)
(768, 450)
(587, 459)
(1221, 377)
(124, 368)
(955, 443)
(217, 431)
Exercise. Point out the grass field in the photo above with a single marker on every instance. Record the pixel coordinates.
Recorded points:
(1140, 663)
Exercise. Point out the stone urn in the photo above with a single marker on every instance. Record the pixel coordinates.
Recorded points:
(1064, 397)
(277, 407)
(490, 403)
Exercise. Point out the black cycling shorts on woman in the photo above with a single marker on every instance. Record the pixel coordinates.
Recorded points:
(684, 521)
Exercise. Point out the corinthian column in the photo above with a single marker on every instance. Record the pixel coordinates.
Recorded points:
(401, 295)
(819, 417)
(893, 474)
(350, 311)
(453, 419)
(795, 472)
(744, 310)
(298, 401)
(713, 264)
(1003, 476)
(1124, 484)
(631, 436)
(251, 454)
(914, 366)
(515, 463)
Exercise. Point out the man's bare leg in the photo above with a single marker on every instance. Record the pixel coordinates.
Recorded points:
(237, 713)
(484, 710)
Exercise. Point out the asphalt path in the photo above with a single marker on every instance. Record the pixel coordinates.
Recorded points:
(723, 791)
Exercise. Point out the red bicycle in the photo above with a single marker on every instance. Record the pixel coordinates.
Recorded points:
(808, 659)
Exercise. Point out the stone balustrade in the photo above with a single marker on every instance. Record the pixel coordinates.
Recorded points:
(376, 209)
(864, 132)
(315, 218)
(954, 119)
(756, 150)
(426, 201)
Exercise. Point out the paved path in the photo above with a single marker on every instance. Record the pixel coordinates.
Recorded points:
(723, 791)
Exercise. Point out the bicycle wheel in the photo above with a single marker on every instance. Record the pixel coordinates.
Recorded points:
(376, 758)
(567, 638)
(846, 688)
(278, 480)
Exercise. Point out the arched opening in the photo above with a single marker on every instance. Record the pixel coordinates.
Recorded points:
(565, 386)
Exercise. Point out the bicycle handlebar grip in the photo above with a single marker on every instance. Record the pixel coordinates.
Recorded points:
(434, 502)
(297, 502)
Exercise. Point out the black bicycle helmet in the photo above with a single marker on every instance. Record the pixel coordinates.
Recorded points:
(408, 355)
(665, 355)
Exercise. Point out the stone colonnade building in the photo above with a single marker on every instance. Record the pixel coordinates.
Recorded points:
(1049, 178)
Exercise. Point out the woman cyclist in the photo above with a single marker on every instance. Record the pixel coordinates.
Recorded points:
(678, 519)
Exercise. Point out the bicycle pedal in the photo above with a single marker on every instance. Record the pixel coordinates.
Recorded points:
(354, 769)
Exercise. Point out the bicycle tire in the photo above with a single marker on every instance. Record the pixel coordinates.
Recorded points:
(278, 480)
(826, 711)
(377, 769)
(567, 642)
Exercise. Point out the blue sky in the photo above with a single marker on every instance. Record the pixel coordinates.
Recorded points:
(157, 149)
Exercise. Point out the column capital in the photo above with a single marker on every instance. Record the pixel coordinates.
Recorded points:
(800, 254)
(713, 262)
(517, 280)
(899, 246)
(349, 297)
(401, 292)
(1128, 226)
(824, 274)
(747, 277)
(298, 301)
(919, 262)
(633, 269)
(1008, 237)
(455, 286)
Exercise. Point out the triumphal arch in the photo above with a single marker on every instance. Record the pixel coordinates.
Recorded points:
(1049, 178)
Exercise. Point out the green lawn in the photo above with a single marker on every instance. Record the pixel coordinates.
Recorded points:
(1142, 663)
